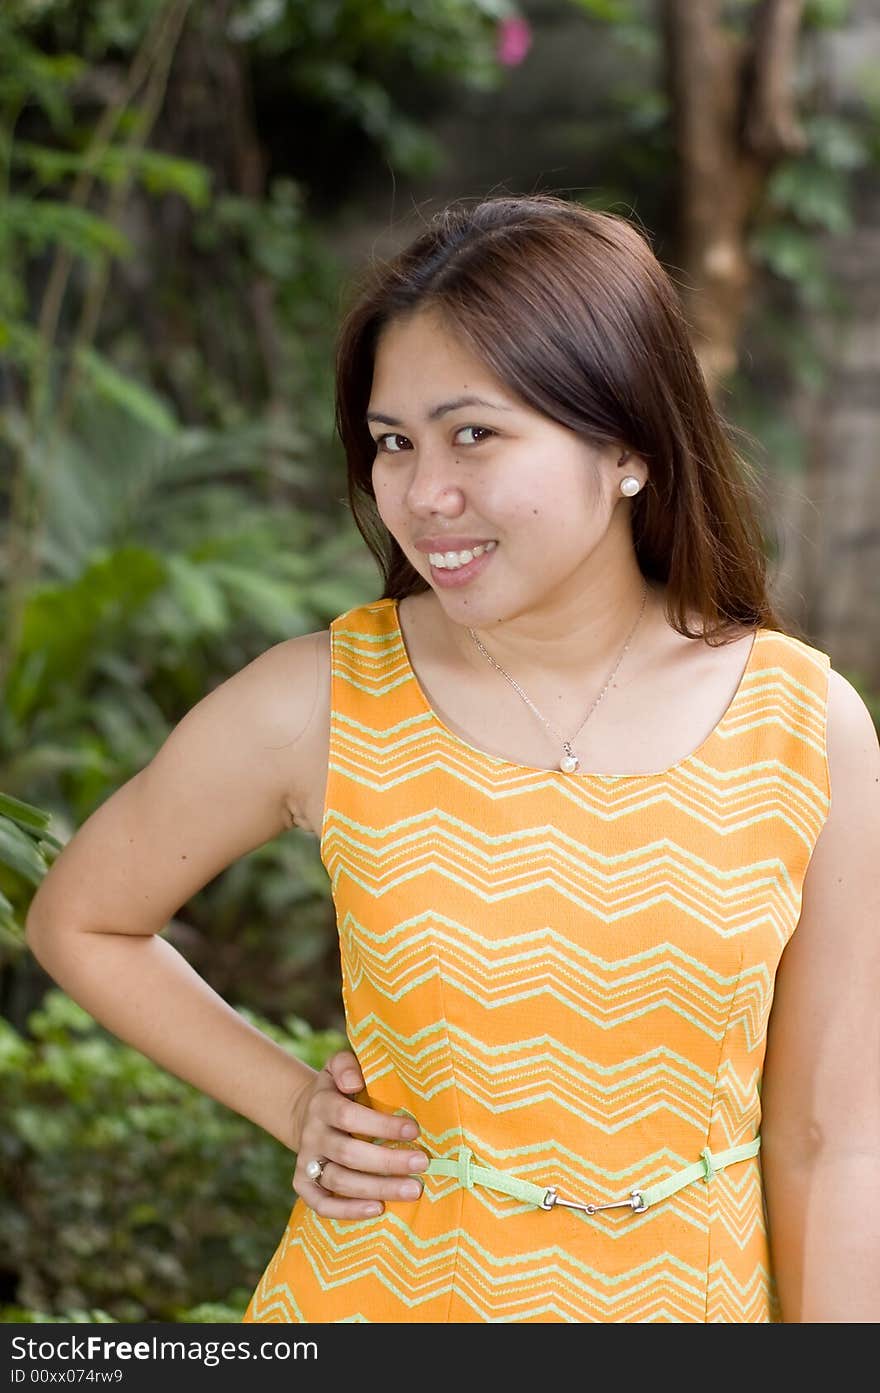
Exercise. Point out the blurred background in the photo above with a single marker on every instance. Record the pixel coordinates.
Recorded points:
(188, 189)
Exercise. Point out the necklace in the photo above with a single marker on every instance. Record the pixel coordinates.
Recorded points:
(568, 761)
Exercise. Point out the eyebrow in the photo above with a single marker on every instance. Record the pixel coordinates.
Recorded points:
(441, 410)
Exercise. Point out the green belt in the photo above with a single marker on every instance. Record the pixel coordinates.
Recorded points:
(468, 1174)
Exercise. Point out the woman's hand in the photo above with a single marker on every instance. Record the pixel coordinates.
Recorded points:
(357, 1175)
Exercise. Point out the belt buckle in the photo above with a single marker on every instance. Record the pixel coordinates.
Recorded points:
(552, 1200)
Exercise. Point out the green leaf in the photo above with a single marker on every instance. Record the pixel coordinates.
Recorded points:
(42, 223)
(198, 593)
(609, 11)
(261, 598)
(122, 391)
(28, 75)
(21, 344)
(64, 624)
(14, 1051)
(816, 194)
(19, 853)
(331, 595)
(164, 174)
(787, 251)
(158, 173)
(837, 143)
(11, 933)
(25, 814)
(826, 14)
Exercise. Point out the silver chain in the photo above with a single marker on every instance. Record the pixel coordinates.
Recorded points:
(569, 761)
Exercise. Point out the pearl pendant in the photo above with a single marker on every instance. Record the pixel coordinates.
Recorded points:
(569, 763)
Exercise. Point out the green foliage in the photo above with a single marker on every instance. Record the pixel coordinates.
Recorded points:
(171, 503)
(29, 75)
(100, 378)
(31, 222)
(826, 14)
(169, 555)
(158, 173)
(20, 1315)
(65, 624)
(608, 11)
(339, 54)
(37, 225)
(162, 556)
(27, 849)
(272, 241)
(808, 201)
(805, 196)
(129, 1193)
(171, 574)
(439, 37)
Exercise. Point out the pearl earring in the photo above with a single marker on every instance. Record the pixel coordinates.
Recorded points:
(629, 485)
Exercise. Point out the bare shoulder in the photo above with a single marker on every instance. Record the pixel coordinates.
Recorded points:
(853, 746)
(256, 738)
(286, 680)
(270, 703)
(298, 673)
(853, 753)
(845, 855)
(846, 851)
(287, 689)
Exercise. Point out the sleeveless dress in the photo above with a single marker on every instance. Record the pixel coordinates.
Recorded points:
(566, 979)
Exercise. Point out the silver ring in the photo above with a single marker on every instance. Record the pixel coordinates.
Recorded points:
(315, 1169)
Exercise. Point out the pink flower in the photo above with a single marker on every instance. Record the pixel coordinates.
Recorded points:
(514, 41)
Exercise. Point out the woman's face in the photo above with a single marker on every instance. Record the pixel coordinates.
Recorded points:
(455, 475)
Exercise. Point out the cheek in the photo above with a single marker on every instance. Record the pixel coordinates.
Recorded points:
(535, 510)
(389, 502)
(381, 489)
(557, 520)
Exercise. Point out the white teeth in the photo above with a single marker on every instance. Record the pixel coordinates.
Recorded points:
(452, 560)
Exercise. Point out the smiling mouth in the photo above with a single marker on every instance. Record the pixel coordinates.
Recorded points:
(454, 560)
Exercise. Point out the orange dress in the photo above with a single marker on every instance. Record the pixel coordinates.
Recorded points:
(570, 975)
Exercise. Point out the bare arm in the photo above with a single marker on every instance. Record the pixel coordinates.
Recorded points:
(821, 1088)
(223, 783)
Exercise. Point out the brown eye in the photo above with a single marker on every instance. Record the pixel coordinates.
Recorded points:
(381, 445)
(477, 430)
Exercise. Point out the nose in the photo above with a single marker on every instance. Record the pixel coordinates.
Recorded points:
(434, 489)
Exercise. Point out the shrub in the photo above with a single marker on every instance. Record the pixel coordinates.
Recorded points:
(131, 1196)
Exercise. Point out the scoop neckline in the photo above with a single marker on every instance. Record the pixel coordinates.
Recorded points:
(580, 776)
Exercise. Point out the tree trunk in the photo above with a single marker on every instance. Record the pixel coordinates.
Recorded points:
(733, 115)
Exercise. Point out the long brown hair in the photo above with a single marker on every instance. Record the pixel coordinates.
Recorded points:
(572, 311)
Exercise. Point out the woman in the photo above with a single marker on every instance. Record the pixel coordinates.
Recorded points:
(601, 836)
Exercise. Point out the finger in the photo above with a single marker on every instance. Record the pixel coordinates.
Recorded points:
(332, 1207)
(351, 1154)
(336, 1113)
(345, 1071)
(325, 1203)
(338, 1180)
